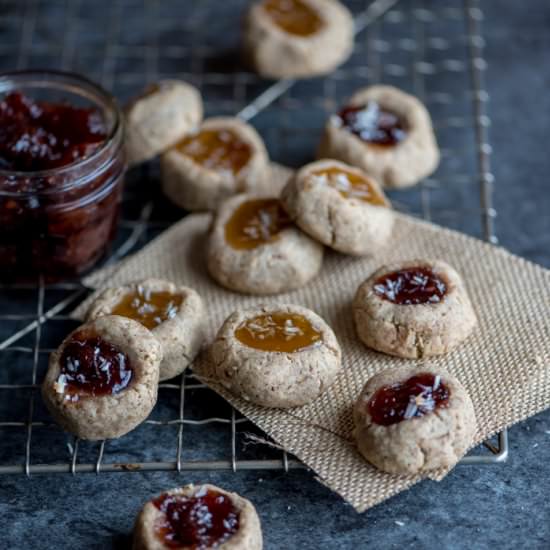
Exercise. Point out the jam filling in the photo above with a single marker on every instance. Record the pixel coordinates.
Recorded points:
(411, 286)
(37, 135)
(294, 16)
(373, 124)
(256, 222)
(91, 366)
(219, 150)
(285, 332)
(417, 396)
(148, 307)
(204, 520)
(351, 185)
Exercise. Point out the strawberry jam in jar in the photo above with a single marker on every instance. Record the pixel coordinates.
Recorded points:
(61, 174)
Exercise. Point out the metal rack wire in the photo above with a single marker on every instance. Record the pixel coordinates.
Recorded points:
(432, 48)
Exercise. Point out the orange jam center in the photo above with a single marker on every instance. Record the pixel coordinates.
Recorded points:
(293, 16)
(351, 185)
(286, 332)
(256, 222)
(148, 307)
(219, 150)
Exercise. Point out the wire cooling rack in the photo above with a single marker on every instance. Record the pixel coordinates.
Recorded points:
(430, 48)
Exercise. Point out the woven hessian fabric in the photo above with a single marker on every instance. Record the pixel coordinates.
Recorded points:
(504, 365)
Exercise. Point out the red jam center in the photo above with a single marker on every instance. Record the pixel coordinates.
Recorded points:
(37, 135)
(351, 185)
(412, 286)
(373, 124)
(417, 396)
(202, 521)
(91, 366)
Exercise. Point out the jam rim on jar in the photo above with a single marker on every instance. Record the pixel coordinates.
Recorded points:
(6, 85)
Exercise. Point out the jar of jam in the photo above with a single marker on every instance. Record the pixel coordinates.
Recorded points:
(61, 174)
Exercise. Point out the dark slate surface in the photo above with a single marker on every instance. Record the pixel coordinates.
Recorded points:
(504, 506)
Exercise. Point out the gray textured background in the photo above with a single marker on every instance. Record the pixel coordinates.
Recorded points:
(504, 506)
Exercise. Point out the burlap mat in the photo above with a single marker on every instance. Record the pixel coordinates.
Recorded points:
(504, 366)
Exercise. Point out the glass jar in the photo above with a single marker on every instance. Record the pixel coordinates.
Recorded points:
(58, 222)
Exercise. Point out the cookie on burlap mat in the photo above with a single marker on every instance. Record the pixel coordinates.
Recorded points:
(504, 366)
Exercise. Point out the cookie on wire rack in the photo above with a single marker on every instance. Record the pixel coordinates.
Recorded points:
(297, 38)
(157, 119)
(223, 157)
(385, 132)
(174, 314)
(102, 381)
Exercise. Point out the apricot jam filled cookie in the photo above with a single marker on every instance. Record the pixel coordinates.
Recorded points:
(174, 314)
(297, 38)
(102, 381)
(226, 156)
(340, 206)
(255, 248)
(413, 309)
(160, 117)
(275, 356)
(200, 517)
(412, 420)
(387, 133)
